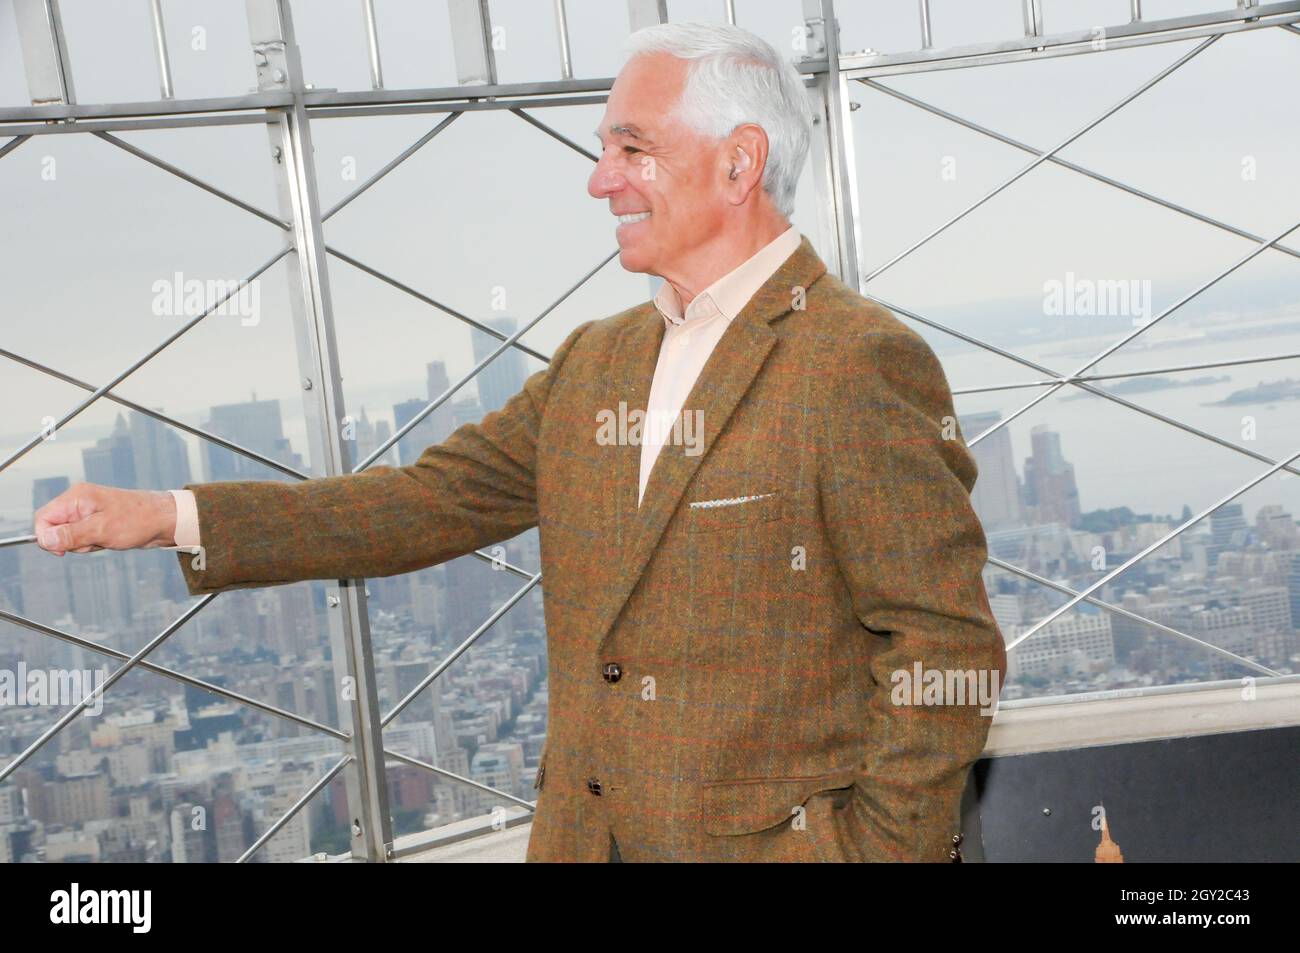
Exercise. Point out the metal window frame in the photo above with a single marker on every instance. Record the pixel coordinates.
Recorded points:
(286, 105)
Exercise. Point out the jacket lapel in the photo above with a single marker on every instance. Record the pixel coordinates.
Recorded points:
(725, 379)
(631, 374)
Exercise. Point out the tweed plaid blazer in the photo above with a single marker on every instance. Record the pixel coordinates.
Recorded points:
(721, 657)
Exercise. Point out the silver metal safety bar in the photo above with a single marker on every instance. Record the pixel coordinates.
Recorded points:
(1034, 47)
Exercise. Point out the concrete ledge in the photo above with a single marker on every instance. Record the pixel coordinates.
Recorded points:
(495, 847)
(474, 840)
(1114, 718)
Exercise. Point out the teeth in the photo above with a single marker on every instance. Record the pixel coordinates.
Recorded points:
(629, 219)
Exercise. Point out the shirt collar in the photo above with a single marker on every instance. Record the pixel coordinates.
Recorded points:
(730, 293)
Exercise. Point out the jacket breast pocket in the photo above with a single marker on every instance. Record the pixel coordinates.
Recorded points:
(707, 515)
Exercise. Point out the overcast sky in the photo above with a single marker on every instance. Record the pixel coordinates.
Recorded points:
(494, 204)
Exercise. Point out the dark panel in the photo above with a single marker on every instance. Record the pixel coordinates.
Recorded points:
(1228, 797)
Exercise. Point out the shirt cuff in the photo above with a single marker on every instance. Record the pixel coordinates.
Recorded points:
(187, 519)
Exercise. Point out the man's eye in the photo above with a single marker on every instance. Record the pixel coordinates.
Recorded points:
(630, 149)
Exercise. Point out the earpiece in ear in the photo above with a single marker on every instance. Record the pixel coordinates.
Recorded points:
(744, 163)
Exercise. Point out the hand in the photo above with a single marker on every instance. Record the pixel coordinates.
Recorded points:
(88, 517)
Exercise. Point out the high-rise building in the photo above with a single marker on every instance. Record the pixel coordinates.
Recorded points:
(45, 489)
(1077, 643)
(162, 460)
(412, 444)
(1228, 529)
(101, 585)
(43, 586)
(1051, 494)
(997, 494)
(1276, 527)
(1293, 586)
(111, 461)
(255, 424)
(436, 426)
(504, 376)
(370, 436)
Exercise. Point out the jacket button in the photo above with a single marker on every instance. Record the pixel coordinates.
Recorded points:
(593, 785)
(957, 839)
(954, 855)
(612, 672)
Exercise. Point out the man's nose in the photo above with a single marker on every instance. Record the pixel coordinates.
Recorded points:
(604, 181)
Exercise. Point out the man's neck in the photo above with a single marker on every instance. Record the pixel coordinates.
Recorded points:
(720, 257)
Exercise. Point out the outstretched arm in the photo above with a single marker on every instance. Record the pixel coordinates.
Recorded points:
(476, 488)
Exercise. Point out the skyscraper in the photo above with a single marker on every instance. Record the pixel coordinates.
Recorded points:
(111, 461)
(45, 489)
(1228, 530)
(162, 460)
(411, 445)
(370, 436)
(434, 428)
(1050, 490)
(504, 377)
(255, 424)
(996, 496)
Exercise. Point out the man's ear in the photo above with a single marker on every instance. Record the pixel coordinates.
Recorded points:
(747, 157)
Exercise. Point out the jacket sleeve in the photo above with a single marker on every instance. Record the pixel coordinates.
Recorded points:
(474, 489)
(895, 486)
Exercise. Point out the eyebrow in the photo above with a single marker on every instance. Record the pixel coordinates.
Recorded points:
(625, 129)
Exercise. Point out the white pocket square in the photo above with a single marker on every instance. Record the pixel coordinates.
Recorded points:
(728, 501)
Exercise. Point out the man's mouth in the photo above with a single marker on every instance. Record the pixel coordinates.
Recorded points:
(633, 218)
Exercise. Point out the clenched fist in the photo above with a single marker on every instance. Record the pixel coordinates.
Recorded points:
(87, 517)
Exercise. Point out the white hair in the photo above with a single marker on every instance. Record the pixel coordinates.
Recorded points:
(735, 78)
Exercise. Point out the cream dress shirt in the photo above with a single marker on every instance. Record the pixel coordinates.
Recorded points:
(690, 338)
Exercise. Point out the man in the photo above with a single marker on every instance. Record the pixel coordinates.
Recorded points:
(729, 599)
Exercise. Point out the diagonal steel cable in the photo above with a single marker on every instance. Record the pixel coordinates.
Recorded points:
(1191, 521)
(388, 279)
(1082, 383)
(297, 806)
(231, 694)
(1105, 352)
(103, 687)
(1067, 164)
(1144, 372)
(554, 134)
(157, 415)
(191, 179)
(1181, 61)
(388, 752)
(392, 164)
(450, 391)
(12, 144)
(420, 296)
(452, 775)
(1133, 616)
(459, 650)
(166, 166)
(139, 363)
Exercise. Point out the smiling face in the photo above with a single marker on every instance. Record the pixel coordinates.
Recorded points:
(662, 179)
